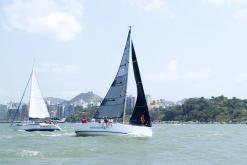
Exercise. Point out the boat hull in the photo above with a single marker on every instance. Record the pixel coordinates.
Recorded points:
(30, 127)
(97, 129)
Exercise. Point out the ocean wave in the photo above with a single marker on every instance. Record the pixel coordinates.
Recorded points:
(54, 134)
(50, 135)
(69, 134)
(29, 153)
(6, 137)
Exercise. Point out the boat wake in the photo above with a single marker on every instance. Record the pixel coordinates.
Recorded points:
(53, 134)
(29, 153)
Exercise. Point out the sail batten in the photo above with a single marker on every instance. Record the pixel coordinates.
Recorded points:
(141, 108)
(37, 108)
(113, 104)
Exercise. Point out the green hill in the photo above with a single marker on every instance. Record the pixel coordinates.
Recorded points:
(215, 109)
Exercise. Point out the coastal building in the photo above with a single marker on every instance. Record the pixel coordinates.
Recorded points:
(53, 110)
(155, 104)
(149, 100)
(12, 110)
(130, 102)
(24, 112)
(3, 112)
(165, 103)
(68, 110)
(60, 112)
(93, 104)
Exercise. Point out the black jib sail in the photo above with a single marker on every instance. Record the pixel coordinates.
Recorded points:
(140, 115)
(113, 104)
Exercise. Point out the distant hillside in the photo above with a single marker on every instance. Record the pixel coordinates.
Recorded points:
(54, 101)
(88, 98)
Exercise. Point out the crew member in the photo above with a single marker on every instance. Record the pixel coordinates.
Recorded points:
(93, 120)
(84, 120)
(142, 119)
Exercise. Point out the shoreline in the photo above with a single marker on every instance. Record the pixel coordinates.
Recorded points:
(155, 122)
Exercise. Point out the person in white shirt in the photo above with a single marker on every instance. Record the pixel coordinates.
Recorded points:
(93, 120)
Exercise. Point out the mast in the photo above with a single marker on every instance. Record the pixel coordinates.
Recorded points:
(30, 93)
(126, 87)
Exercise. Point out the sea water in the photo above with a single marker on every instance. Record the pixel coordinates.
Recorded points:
(195, 144)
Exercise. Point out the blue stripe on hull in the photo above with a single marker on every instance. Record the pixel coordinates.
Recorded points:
(50, 130)
(100, 131)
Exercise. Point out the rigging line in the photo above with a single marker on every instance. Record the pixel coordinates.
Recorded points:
(18, 108)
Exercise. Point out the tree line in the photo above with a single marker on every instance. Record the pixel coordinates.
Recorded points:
(214, 109)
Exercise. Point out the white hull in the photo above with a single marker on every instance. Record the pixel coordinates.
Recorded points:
(30, 127)
(98, 129)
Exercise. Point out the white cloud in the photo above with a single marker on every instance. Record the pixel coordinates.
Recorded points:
(228, 3)
(239, 7)
(156, 77)
(58, 68)
(56, 18)
(173, 65)
(241, 78)
(158, 6)
(200, 73)
(241, 15)
(174, 71)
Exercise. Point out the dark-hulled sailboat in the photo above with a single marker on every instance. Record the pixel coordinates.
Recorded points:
(113, 105)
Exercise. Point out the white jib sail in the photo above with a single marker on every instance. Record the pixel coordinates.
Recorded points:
(38, 108)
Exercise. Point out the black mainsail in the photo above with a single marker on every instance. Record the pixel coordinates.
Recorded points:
(113, 104)
(141, 108)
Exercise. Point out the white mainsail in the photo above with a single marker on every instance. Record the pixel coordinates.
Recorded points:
(37, 107)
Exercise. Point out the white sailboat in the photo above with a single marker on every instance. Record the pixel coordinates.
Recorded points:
(37, 110)
(113, 105)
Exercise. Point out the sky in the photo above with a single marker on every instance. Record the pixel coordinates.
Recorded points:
(192, 48)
